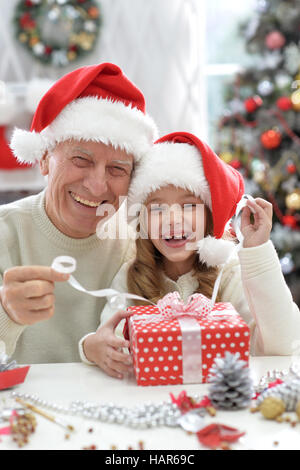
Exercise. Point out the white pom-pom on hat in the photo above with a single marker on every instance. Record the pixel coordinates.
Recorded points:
(30, 145)
(214, 251)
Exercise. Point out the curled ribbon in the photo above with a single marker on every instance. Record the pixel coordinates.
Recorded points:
(67, 265)
(171, 305)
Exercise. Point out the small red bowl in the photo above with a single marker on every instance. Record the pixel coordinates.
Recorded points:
(10, 378)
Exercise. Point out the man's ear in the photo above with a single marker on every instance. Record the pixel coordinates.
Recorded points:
(44, 164)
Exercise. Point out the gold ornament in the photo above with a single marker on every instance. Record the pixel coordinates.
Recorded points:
(292, 200)
(84, 40)
(272, 407)
(33, 40)
(71, 55)
(227, 157)
(295, 98)
(23, 37)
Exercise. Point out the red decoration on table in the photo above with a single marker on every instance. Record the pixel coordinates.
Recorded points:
(7, 429)
(12, 377)
(186, 403)
(271, 139)
(157, 343)
(214, 435)
(253, 103)
(270, 385)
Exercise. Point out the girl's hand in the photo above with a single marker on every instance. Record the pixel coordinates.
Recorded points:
(104, 348)
(256, 233)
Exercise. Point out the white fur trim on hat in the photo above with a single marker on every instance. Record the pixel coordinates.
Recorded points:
(214, 251)
(165, 164)
(94, 119)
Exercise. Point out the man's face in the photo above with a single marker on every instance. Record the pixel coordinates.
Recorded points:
(81, 177)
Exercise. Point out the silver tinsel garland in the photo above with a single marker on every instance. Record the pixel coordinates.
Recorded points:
(146, 415)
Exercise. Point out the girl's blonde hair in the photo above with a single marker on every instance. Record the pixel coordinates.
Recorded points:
(145, 275)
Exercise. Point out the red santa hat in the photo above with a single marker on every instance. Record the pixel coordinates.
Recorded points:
(183, 160)
(97, 103)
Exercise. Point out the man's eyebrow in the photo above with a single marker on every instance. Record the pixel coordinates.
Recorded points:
(123, 162)
(80, 149)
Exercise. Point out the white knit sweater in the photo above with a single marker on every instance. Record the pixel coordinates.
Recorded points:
(253, 283)
(28, 237)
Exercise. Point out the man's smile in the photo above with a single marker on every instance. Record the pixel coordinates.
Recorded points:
(85, 202)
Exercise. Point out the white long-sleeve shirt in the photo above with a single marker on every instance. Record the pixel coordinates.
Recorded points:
(254, 284)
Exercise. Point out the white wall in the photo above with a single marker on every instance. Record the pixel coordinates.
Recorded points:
(156, 43)
(171, 49)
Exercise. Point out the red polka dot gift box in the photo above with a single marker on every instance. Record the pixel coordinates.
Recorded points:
(173, 343)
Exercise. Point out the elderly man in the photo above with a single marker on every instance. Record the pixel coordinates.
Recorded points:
(86, 134)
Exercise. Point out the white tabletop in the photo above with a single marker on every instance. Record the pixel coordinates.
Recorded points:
(63, 383)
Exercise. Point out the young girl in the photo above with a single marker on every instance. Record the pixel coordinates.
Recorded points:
(183, 250)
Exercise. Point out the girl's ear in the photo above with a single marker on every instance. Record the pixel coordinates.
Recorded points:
(44, 164)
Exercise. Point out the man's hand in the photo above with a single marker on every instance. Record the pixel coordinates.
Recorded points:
(104, 348)
(27, 294)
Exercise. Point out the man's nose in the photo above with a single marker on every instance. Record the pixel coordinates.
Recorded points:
(96, 181)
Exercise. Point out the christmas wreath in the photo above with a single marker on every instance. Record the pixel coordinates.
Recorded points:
(57, 32)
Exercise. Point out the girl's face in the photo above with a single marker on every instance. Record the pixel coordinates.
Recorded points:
(176, 220)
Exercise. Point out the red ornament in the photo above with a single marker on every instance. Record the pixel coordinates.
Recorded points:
(291, 168)
(48, 50)
(235, 164)
(73, 48)
(251, 104)
(27, 22)
(214, 435)
(271, 139)
(275, 40)
(289, 221)
(284, 103)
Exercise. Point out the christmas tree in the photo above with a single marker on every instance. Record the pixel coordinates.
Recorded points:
(259, 132)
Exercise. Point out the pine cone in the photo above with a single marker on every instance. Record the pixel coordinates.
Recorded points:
(230, 383)
(288, 391)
